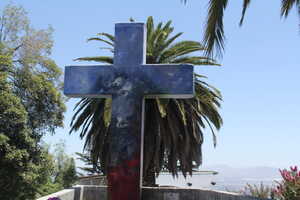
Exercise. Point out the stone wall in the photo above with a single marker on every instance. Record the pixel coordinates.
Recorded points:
(86, 192)
(68, 194)
(190, 194)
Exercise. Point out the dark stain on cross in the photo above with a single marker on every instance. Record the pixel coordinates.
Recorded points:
(128, 81)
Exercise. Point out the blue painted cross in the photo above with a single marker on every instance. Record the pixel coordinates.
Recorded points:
(128, 81)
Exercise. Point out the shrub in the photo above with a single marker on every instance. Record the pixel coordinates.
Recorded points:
(260, 191)
(289, 187)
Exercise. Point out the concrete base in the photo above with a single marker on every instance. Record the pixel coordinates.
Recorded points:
(86, 192)
(68, 194)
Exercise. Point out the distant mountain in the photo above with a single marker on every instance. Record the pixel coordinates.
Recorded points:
(227, 179)
(249, 172)
(235, 179)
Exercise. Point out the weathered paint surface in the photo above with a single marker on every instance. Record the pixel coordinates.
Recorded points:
(128, 82)
(163, 81)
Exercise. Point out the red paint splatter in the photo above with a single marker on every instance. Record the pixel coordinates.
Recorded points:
(124, 180)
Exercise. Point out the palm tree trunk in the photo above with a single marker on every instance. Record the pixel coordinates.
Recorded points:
(149, 177)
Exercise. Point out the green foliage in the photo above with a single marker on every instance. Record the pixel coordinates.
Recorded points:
(46, 175)
(173, 127)
(14, 21)
(20, 156)
(30, 105)
(214, 29)
(89, 168)
(34, 76)
(69, 175)
(65, 171)
(44, 101)
(61, 172)
(260, 191)
(289, 187)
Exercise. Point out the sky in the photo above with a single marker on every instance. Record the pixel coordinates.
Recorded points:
(259, 76)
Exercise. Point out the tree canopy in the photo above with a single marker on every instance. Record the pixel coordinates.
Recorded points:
(19, 154)
(31, 105)
(33, 75)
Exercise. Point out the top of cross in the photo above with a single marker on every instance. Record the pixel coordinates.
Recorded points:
(130, 44)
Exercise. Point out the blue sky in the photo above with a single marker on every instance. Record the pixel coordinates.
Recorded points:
(259, 77)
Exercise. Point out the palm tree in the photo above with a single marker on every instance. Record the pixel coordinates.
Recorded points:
(89, 168)
(173, 127)
(214, 31)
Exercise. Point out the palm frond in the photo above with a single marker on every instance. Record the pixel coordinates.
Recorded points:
(196, 60)
(109, 36)
(214, 30)
(150, 26)
(108, 48)
(83, 105)
(199, 75)
(107, 112)
(245, 7)
(286, 6)
(162, 104)
(102, 59)
(101, 40)
(167, 42)
(163, 34)
(153, 37)
(180, 49)
(212, 131)
(159, 43)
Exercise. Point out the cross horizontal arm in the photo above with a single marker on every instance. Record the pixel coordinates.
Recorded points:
(89, 81)
(169, 81)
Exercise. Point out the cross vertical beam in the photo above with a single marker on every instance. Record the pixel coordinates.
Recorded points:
(126, 140)
(125, 165)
